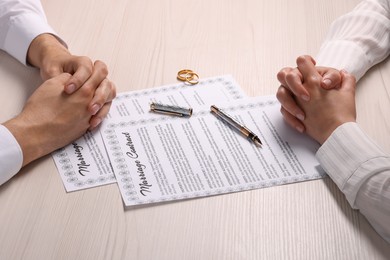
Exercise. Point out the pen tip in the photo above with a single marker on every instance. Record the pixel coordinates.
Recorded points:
(257, 141)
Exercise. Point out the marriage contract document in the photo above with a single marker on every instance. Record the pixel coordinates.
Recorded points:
(84, 163)
(170, 158)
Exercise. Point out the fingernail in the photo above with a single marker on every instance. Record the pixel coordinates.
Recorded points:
(300, 117)
(299, 129)
(95, 109)
(71, 88)
(327, 82)
(305, 97)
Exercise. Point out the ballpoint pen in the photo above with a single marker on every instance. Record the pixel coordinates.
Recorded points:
(231, 121)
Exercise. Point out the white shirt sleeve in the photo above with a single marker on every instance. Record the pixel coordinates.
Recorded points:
(358, 40)
(362, 172)
(11, 157)
(20, 22)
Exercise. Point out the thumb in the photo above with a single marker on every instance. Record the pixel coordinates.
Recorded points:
(62, 78)
(348, 81)
(331, 79)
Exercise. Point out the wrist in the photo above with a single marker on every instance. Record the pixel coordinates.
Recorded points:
(43, 49)
(27, 136)
(327, 132)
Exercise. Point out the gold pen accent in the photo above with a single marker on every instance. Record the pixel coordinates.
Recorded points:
(234, 123)
(170, 110)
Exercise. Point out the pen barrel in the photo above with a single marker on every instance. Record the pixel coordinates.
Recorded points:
(232, 122)
(248, 133)
(170, 110)
(228, 119)
(235, 124)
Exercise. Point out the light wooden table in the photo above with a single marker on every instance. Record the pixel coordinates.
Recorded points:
(145, 43)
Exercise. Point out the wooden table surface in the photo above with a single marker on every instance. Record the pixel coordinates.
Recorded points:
(144, 43)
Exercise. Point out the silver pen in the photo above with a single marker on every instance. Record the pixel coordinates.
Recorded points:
(234, 123)
(170, 110)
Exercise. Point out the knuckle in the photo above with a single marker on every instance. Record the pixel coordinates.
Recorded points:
(281, 75)
(100, 100)
(104, 70)
(86, 60)
(291, 76)
(113, 93)
(107, 108)
(313, 80)
(51, 71)
(99, 63)
(301, 59)
(102, 67)
(280, 93)
(86, 63)
(113, 90)
(86, 91)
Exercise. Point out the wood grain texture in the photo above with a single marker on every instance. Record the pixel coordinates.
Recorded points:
(145, 43)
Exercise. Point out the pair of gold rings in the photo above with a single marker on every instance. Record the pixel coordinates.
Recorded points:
(188, 76)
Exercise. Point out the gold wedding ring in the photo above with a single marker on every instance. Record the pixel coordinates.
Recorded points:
(192, 78)
(188, 76)
(181, 75)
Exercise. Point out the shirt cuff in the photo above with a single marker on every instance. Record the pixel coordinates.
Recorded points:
(348, 156)
(23, 29)
(343, 54)
(11, 155)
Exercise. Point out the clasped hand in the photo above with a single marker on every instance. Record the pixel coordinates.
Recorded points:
(75, 96)
(316, 100)
(52, 58)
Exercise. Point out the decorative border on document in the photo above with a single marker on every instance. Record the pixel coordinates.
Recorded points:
(227, 81)
(71, 175)
(126, 181)
(122, 173)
